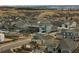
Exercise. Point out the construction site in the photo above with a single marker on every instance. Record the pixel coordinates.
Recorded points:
(39, 29)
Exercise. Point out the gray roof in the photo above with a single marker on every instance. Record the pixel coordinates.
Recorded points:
(68, 44)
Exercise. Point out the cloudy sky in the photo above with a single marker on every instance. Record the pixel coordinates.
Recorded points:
(39, 2)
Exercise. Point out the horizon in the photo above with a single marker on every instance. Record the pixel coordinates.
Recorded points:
(43, 6)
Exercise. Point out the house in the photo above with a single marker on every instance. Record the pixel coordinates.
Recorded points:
(67, 41)
(68, 25)
(48, 41)
(2, 37)
(68, 45)
(40, 26)
(68, 34)
(45, 26)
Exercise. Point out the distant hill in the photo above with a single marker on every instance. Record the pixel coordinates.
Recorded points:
(59, 7)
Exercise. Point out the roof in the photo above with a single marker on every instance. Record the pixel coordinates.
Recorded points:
(68, 44)
(51, 41)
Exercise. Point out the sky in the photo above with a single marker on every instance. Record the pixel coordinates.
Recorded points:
(39, 2)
